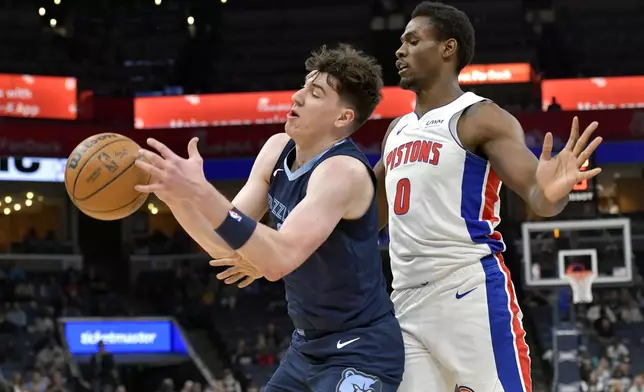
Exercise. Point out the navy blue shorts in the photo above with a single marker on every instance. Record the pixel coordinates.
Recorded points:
(370, 358)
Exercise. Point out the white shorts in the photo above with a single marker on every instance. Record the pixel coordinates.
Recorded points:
(464, 330)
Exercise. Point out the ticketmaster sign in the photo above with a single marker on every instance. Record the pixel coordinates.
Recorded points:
(123, 336)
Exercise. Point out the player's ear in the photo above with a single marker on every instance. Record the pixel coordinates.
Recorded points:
(449, 47)
(345, 118)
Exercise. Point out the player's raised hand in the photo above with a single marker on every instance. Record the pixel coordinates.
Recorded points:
(174, 176)
(557, 176)
(238, 270)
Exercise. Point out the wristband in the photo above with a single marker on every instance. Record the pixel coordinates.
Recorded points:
(236, 229)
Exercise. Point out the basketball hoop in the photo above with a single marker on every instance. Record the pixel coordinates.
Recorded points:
(581, 282)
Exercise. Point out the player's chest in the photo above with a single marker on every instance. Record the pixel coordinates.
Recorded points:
(422, 148)
(283, 197)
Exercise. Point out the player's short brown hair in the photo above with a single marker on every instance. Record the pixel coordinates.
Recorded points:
(356, 77)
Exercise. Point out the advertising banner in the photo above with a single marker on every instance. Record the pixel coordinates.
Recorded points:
(267, 107)
(58, 140)
(496, 73)
(123, 336)
(31, 96)
(623, 92)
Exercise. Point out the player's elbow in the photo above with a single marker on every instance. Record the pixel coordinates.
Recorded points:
(281, 264)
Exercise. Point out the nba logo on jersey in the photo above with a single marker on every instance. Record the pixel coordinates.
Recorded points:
(235, 215)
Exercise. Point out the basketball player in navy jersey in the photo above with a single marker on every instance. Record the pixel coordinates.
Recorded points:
(441, 171)
(320, 190)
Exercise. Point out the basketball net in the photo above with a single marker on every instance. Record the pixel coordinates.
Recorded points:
(581, 283)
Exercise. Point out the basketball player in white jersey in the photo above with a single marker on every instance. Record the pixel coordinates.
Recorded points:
(442, 167)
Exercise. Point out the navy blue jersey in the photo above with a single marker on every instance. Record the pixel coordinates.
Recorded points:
(341, 286)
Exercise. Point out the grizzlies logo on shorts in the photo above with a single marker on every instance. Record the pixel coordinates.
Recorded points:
(355, 381)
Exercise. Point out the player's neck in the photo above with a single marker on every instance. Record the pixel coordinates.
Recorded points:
(440, 93)
(305, 152)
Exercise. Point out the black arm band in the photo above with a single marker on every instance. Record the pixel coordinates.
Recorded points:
(236, 229)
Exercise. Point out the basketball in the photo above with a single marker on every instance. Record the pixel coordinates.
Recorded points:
(100, 176)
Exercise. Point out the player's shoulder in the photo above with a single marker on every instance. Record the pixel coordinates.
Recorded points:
(488, 118)
(342, 169)
(268, 156)
(273, 148)
(343, 165)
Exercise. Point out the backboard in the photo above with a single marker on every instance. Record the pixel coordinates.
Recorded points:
(600, 245)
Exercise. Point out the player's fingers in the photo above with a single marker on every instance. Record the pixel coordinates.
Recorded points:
(157, 173)
(246, 282)
(235, 278)
(585, 175)
(150, 188)
(165, 152)
(224, 262)
(152, 158)
(574, 134)
(588, 151)
(228, 273)
(585, 137)
(546, 151)
(193, 150)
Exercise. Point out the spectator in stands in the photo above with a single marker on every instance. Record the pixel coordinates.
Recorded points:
(272, 337)
(554, 105)
(630, 312)
(51, 357)
(38, 383)
(218, 386)
(16, 273)
(229, 382)
(43, 323)
(264, 352)
(17, 316)
(242, 356)
(599, 310)
(621, 373)
(167, 385)
(228, 296)
(25, 290)
(58, 383)
(18, 383)
(638, 384)
(605, 331)
(617, 351)
(103, 370)
(252, 387)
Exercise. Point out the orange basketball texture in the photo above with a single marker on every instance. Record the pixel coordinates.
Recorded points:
(100, 177)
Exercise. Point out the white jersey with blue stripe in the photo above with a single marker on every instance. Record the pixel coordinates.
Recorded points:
(443, 200)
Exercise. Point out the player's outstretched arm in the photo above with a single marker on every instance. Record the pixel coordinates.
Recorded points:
(380, 171)
(340, 187)
(543, 183)
(251, 200)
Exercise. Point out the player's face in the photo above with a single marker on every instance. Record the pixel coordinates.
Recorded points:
(317, 107)
(420, 54)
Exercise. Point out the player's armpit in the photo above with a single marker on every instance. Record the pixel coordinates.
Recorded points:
(339, 187)
(380, 171)
(502, 140)
(252, 199)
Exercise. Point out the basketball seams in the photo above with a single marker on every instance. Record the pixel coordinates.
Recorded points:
(108, 183)
(80, 169)
(131, 202)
